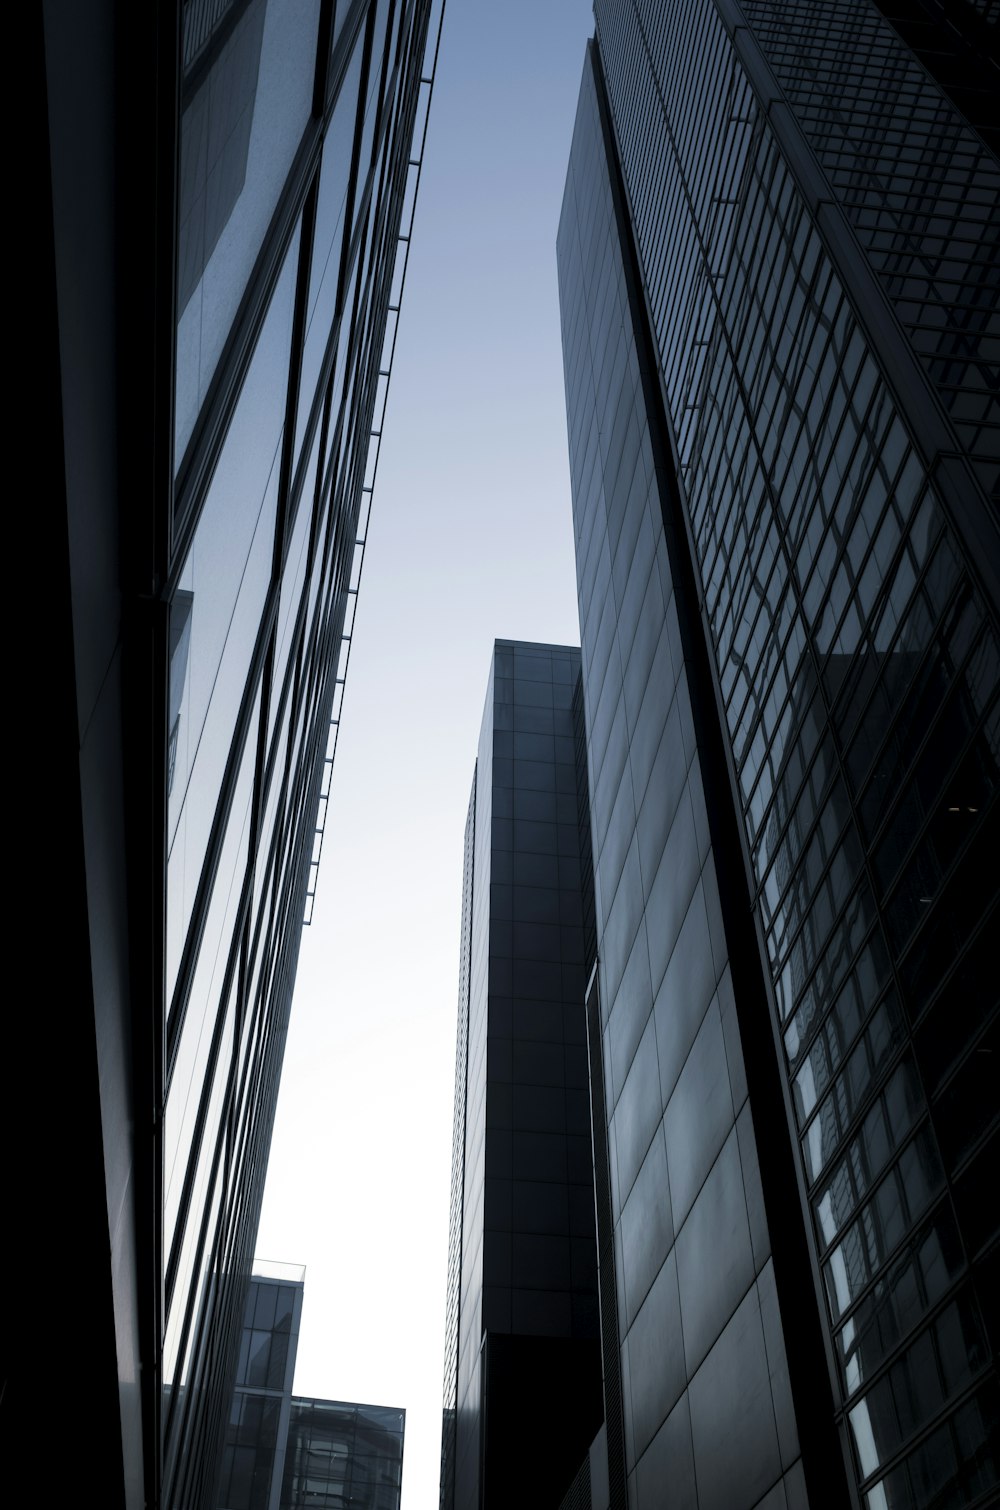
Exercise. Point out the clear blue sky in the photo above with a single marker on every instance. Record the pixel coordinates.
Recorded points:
(471, 539)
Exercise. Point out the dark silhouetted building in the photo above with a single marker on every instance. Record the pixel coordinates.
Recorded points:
(283, 1452)
(522, 1395)
(778, 276)
(227, 198)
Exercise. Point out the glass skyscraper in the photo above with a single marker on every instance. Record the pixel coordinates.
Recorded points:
(231, 189)
(778, 277)
(522, 1390)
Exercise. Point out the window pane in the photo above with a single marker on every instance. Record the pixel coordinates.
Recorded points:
(246, 98)
(216, 611)
(329, 233)
(194, 1047)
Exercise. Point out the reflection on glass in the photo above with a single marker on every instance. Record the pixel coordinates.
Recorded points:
(222, 594)
(328, 237)
(246, 98)
(292, 579)
(206, 1195)
(342, 1454)
(341, 10)
(247, 142)
(195, 1044)
(263, 870)
(180, 644)
(372, 108)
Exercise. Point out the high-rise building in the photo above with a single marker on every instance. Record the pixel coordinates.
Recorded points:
(285, 1452)
(778, 278)
(231, 187)
(522, 1391)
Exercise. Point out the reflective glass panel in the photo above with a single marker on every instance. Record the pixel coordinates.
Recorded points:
(246, 96)
(328, 236)
(215, 615)
(195, 1044)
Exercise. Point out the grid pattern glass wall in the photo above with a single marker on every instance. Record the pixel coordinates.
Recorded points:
(708, 1414)
(296, 125)
(343, 1457)
(917, 186)
(847, 558)
(527, 1322)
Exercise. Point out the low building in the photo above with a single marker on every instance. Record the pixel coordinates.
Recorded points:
(283, 1452)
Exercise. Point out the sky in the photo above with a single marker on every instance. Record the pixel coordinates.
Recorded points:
(470, 540)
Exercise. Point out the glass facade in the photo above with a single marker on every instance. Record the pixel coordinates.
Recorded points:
(266, 577)
(522, 1362)
(778, 276)
(251, 292)
(696, 1313)
(284, 1452)
(341, 1456)
(253, 1451)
